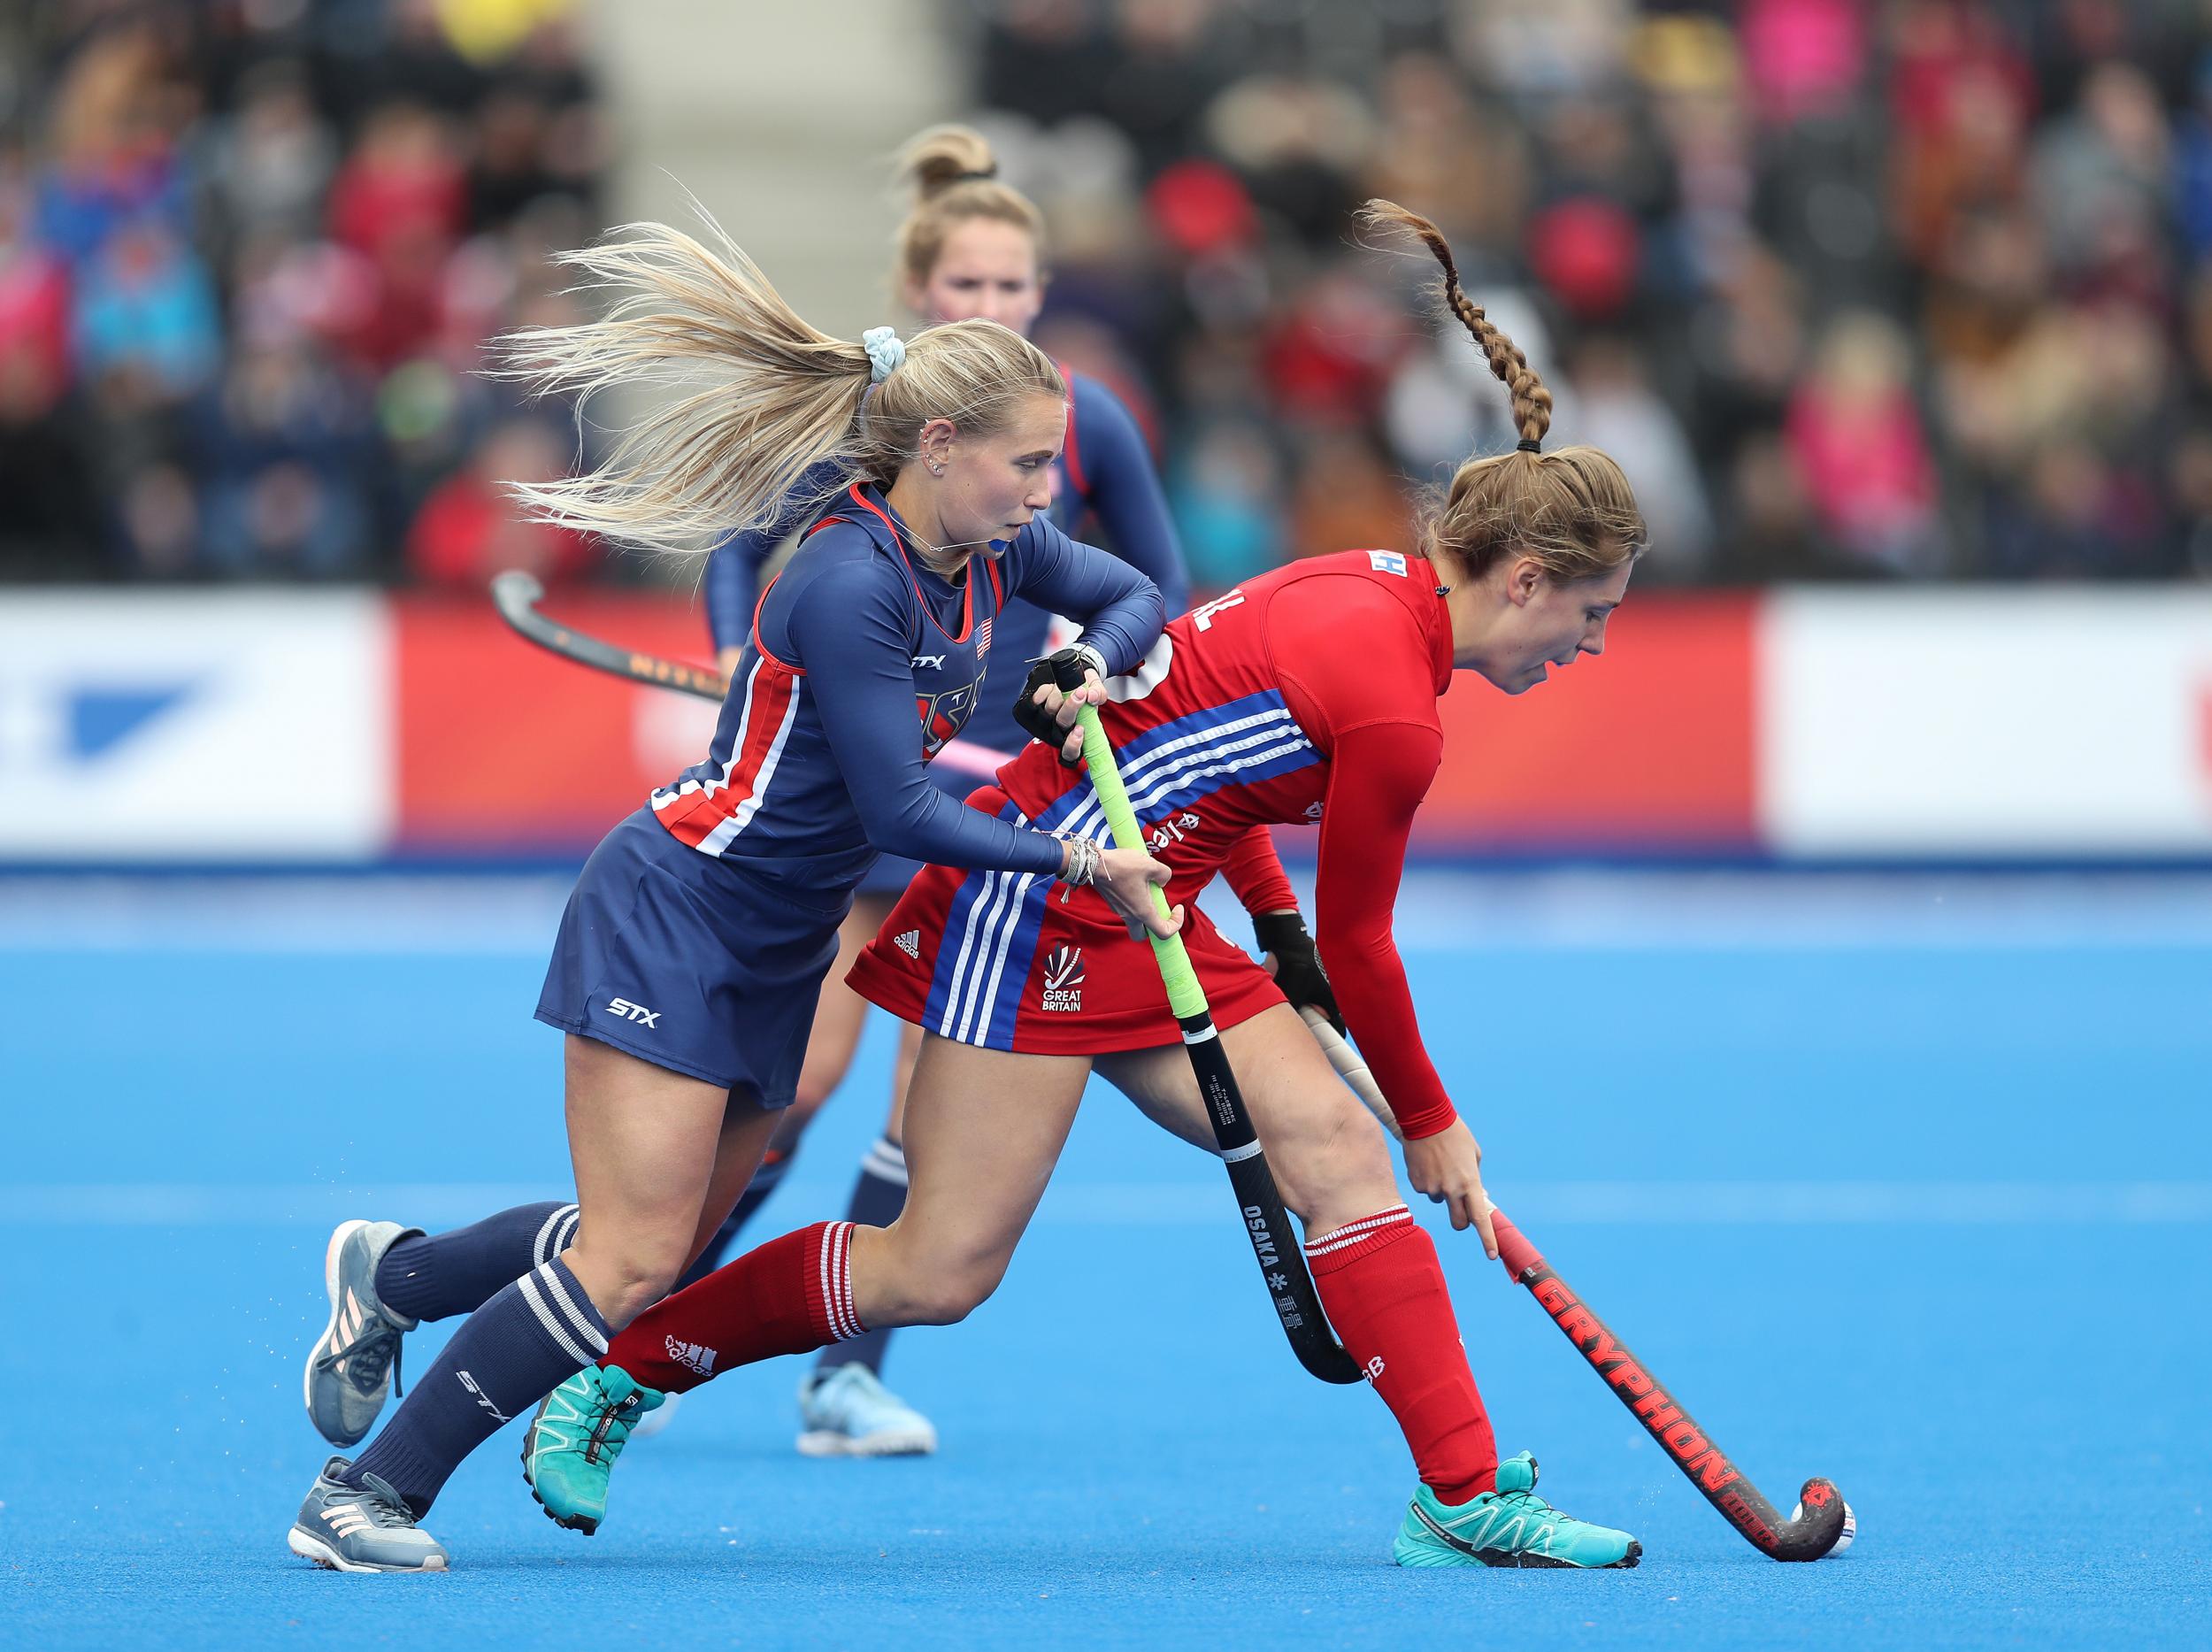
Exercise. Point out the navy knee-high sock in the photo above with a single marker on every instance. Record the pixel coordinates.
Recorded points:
(439, 1275)
(878, 1195)
(532, 1335)
(764, 1181)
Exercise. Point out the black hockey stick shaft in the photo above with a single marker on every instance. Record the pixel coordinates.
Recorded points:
(1688, 1447)
(517, 594)
(1267, 1225)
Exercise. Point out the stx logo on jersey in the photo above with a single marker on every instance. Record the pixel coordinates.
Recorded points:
(1063, 978)
(932, 662)
(944, 716)
(691, 1355)
(634, 1012)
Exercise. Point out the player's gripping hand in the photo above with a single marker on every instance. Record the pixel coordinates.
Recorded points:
(1127, 878)
(1057, 685)
(1295, 964)
(1447, 1167)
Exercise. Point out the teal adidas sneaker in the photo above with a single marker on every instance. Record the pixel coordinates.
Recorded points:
(569, 1449)
(1510, 1527)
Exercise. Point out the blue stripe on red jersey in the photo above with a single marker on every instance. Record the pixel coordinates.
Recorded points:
(995, 917)
(991, 929)
(1173, 763)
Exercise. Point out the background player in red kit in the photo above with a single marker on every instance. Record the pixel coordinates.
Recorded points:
(1306, 695)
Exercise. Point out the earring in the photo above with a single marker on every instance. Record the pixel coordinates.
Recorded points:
(936, 470)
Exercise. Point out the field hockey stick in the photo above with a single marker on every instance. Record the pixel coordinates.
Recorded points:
(1822, 1518)
(1820, 1522)
(1282, 1263)
(1351, 1069)
(515, 595)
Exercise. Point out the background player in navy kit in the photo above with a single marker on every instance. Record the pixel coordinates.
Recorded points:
(697, 935)
(1312, 686)
(972, 247)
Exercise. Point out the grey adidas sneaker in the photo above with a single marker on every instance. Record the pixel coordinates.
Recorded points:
(348, 1528)
(355, 1363)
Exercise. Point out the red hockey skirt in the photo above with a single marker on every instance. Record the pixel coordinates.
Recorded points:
(1018, 961)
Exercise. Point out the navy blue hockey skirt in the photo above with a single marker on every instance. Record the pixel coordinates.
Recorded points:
(690, 963)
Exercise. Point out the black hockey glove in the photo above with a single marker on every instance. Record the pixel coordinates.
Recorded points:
(1065, 672)
(1298, 970)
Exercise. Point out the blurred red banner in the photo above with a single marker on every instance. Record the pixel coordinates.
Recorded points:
(504, 747)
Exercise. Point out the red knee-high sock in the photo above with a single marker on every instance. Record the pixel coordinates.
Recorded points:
(1384, 1290)
(791, 1295)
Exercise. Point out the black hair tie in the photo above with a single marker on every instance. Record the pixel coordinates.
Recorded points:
(1529, 444)
(974, 177)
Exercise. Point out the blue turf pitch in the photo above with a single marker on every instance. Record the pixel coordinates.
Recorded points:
(1931, 1215)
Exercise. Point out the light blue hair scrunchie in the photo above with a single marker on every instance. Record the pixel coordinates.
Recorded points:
(885, 352)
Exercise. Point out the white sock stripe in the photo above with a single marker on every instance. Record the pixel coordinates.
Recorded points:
(1395, 1213)
(553, 1327)
(836, 1269)
(841, 1278)
(539, 1253)
(1364, 1227)
(567, 1237)
(578, 1321)
(1353, 1232)
(848, 1322)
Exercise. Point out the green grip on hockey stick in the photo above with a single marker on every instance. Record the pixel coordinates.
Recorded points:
(1184, 995)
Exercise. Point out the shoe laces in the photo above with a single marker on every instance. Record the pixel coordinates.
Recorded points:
(1529, 1503)
(610, 1421)
(383, 1505)
(375, 1349)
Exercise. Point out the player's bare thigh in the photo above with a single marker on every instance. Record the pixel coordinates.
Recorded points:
(984, 1129)
(1329, 1156)
(647, 1146)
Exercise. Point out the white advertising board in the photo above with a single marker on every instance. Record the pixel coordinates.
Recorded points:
(2051, 722)
(194, 726)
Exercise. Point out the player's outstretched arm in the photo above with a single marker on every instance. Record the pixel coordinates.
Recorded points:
(1120, 610)
(1378, 774)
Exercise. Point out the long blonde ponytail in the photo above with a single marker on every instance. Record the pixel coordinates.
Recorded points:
(749, 398)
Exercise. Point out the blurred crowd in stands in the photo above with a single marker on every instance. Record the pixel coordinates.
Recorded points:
(1879, 289)
(248, 252)
(1875, 288)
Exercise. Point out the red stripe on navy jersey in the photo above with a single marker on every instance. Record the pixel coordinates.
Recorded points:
(695, 812)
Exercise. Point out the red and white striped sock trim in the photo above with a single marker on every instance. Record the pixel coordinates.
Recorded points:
(1356, 1239)
(837, 1282)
